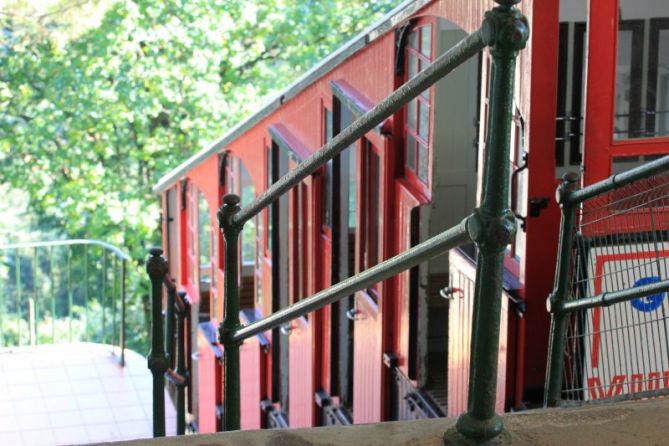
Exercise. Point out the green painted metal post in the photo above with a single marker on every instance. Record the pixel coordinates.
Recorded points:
(181, 364)
(104, 295)
(86, 288)
(2, 306)
(492, 227)
(17, 274)
(562, 276)
(169, 324)
(35, 302)
(156, 267)
(69, 293)
(123, 269)
(54, 293)
(113, 300)
(231, 414)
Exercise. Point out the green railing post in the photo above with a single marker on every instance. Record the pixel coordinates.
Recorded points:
(69, 293)
(231, 414)
(156, 267)
(2, 304)
(104, 295)
(169, 322)
(492, 227)
(54, 294)
(562, 276)
(183, 311)
(17, 274)
(34, 305)
(113, 300)
(123, 269)
(86, 288)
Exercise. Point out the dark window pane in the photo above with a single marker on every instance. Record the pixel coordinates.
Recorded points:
(410, 153)
(413, 64)
(373, 220)
(423, 120)
(413, 39)
(422, 162)
(411, 114)
(327, 195)
(426, 40)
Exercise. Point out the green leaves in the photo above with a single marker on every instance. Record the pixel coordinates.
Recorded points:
(92, 115)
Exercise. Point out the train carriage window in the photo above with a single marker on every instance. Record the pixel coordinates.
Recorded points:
(191, 232)
(248, 235)
(371, 193)
(328, 177)
(269, 180)
(417, 123)
(642, 73)
(205, 235)
(657, 120)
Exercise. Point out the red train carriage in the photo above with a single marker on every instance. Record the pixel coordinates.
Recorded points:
(400, 349)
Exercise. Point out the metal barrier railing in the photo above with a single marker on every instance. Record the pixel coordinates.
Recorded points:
(610, 329)
(505, 31)
(62, 291)
(167, 358)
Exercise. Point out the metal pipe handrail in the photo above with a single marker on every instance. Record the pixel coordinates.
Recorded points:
(70, 242)
(444, 64)
(449, 239)
(618, 180)
(614, 297)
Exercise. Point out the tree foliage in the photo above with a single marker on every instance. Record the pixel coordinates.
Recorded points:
(90, 117)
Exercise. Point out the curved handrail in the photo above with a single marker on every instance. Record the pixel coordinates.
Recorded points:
(116, 290)
(82, 241)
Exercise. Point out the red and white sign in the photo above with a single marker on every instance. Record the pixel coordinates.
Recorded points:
(626, 348)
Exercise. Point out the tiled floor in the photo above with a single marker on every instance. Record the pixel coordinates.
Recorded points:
(74, 394)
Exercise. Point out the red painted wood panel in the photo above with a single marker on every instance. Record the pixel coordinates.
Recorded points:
(301, 378)
(368, 362)
(251, 383)
(406, 203)
(206, 386)
(460, 309)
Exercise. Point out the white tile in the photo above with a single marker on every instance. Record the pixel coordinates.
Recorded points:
(92, 401)
(8, 423)
(11, 438)
(28, 422)
(65, 418)
(71, 435)
(42, 437)
(29, 406)
(61, 403)
(97, 416)
(132, 413)
(102, 432)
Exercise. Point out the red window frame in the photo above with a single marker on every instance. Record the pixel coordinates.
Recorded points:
(417, 138)
(600, 145)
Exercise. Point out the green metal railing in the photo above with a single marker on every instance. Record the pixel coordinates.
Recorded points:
(505, 31)
(62, 291)
(621, 216)
(167, 359)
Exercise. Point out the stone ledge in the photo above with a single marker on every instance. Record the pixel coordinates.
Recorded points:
(629, 423)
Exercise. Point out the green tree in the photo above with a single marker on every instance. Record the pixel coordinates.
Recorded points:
(92, 115)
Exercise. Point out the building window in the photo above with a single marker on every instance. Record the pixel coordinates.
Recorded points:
(417, 122)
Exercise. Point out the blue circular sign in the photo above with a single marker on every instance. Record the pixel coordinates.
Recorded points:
(648, 303)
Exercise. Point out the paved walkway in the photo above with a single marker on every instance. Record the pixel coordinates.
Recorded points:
(74, 394)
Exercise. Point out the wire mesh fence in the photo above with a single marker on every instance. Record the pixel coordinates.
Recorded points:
(620, 242)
